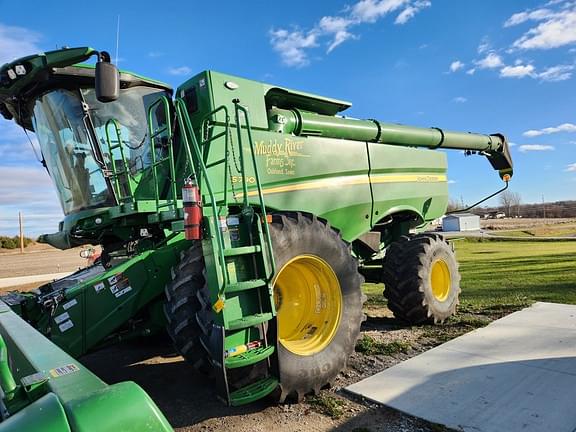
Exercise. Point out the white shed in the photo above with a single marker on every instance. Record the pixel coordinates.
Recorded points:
(461, 222)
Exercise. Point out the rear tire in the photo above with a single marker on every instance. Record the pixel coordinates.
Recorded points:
(317, 290)
(421, 278)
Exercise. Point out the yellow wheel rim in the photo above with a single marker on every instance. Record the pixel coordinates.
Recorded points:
(440, 280)
(309, 304)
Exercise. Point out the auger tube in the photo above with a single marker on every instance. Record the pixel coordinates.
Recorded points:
(304, 123)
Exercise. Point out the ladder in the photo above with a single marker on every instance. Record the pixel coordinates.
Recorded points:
(239, 261)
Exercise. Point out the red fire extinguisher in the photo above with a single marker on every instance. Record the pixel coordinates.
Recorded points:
(192, 209)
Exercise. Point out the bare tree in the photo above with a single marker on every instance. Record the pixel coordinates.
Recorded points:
(506, 201)
(516, 200)
(452, 205)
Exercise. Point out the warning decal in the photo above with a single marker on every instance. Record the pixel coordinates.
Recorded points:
(64, 370)
(66, 325)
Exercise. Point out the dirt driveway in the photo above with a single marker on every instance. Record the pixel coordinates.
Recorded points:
(39, 259)
(186, 397)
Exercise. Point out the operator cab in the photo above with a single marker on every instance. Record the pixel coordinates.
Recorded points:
(79, 114)
(70, 124)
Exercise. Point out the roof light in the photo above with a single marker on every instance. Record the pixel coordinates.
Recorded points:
(11, 74)
(20, 70)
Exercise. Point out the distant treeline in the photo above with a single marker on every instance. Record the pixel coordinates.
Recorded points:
(13, 242)
(558, 209)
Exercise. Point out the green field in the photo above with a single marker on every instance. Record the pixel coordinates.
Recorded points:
(503, 276)
(513, 274)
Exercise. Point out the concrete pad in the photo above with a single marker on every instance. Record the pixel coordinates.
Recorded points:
(516, 374)
(23, 280)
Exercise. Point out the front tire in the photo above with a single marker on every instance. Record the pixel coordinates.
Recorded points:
(187, 304)
(317, 291)
(421, 278)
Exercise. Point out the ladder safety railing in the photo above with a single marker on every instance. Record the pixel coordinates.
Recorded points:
(191, 145)
(156, 162)
(206, 123)
(238, 108)
(126, 170)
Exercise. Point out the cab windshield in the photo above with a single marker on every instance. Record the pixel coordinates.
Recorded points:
(130, 111)
(64, 132)
(59, 123)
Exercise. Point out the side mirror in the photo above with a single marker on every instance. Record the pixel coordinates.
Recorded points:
(107, 79)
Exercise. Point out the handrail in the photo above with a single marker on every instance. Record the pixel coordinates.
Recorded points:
(191, 143)
(170, 158)
(111, 148)
(239, 108)
(7, 383)
(204, 123)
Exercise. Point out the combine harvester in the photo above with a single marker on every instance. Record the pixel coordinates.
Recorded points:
(240, 217)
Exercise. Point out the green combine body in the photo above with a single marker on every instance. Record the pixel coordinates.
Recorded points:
(299, 206)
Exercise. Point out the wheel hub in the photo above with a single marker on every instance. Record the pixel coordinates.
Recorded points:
(309, 304)
(440, 280)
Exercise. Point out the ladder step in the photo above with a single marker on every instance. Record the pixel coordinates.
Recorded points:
(245, 285)
(218, 162)
(253, 392)
(244, 250)
(249, 357)
(249, 321)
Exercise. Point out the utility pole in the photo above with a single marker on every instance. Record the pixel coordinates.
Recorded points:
(21, 232)
(543, 207)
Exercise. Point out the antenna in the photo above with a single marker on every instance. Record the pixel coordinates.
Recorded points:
(117, 38)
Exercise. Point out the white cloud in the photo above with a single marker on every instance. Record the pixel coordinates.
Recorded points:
(456, 65)
(29, 190)
(571, 168)
(556, 29)
(519, 71)
(180, 70)
(557, 73)
(551, 74)
(491, 61)
(291, 45)
(17, 42)
(333, 31)
(565, 127)
(459, 99)
(552, 25)
(155, 54)
(372, 10)
(535, 15)
(535, 147)
(484, 46)
(409, 13)
(511, 144)
(452, 181)
(338, 26)
(15, 146)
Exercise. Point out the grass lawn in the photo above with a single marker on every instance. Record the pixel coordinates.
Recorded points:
(503, 276)
(509, 274)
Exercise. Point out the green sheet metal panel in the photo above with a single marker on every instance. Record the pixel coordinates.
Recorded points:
(44, 415)
(408, 179)
(89, 403)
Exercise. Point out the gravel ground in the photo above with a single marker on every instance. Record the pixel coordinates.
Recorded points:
(39, 259)
(186, 397)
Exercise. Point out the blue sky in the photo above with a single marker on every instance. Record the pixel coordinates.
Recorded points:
(489, 66)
